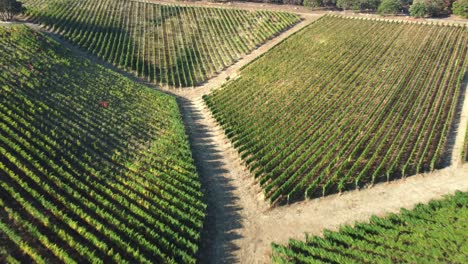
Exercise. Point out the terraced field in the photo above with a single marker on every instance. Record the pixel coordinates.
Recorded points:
(94, 168)
(172, 45)
(345, 103)
(432, 233)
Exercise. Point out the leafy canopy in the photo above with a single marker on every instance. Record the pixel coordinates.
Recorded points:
(389, 7)
(10, 8)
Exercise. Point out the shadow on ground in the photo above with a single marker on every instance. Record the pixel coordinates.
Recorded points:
(223, 214)
(454, 128)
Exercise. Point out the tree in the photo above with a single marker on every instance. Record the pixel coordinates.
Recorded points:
(389, 7)
(292, 2)
(418, 9)
(358, 4)
(437, 8)
(9, 8)
(431, 8)
(460, 8)
(329, 2)
(346, 4)
(313, 3)
(369, 4)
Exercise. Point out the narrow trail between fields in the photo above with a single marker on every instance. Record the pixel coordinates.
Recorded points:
(240, 225)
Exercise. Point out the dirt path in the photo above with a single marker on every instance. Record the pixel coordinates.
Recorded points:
(240, 226)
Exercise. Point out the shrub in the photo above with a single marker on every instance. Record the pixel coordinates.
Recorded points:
(292, 2)
(9, 9)
(347, 4)
(358, 4)
(313, 3)
(369, 4)
(437, 8)
(430, 8)
(418, 9)
(389, 7)
(329, 2)
(460, 8)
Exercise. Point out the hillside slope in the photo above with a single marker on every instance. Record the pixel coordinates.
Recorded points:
(174, 45)
(431, 233)
(345, 103)
(94, 168)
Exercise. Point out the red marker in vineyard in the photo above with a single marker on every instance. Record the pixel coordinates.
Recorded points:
(30, 66)
(103, 104)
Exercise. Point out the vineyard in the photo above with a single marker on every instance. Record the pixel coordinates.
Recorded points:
(432, 233)
(343, 104)
(144, 131)
(94, 168)
(172, 45)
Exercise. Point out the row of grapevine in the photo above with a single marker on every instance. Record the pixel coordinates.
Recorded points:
(174, 45)
(432, 233)
(94, 168)
(345, 103)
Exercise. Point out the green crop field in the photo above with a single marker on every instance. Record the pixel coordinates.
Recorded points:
(432, 233)
(345, 103)
(94, 167)
(110, 150)
(172, 45)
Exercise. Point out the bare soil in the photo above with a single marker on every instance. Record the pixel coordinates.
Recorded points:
(240, 224)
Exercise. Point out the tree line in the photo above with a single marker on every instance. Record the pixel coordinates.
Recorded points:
(415, 8)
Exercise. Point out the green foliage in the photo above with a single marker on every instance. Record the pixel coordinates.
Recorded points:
(94, 167)
(460, 8)
(152, 40)
(429, 8)
(432, 233)
(436, 8)
(316, 120)
(418, 9)
(389, 7)
(358, 4)
(348, 4)
(9, 9)
(329, 2)
(313, 3)
(369, 4)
